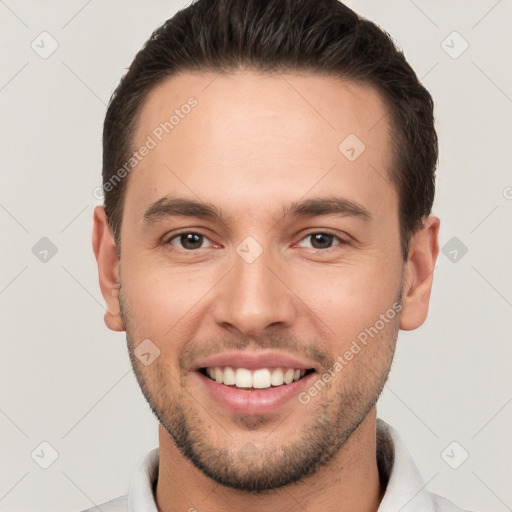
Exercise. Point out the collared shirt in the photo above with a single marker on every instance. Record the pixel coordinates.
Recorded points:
(405, 489)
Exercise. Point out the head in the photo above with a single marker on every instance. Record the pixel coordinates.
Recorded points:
(268, 175)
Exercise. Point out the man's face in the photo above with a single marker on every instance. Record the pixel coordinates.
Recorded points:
(294, 286)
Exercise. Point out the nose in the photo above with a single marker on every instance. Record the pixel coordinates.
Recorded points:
(254, 297)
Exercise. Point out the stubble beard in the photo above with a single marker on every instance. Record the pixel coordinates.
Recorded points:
(332, 418)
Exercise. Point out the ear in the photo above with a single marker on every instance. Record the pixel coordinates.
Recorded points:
(419, 273)
(104, 248)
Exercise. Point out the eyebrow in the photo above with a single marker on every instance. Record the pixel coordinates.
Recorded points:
(179, 207)
(326, 206)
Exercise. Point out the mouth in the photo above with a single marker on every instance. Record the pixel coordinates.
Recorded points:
(250, 380)
(254, 392)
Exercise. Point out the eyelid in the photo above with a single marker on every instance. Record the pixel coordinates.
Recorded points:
(342, 241)
(168, 238)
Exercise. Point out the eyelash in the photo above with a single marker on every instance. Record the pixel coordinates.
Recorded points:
(325, 232)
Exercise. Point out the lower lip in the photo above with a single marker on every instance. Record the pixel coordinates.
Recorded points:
(254, 402)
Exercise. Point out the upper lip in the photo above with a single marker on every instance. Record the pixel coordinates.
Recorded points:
(254, 360)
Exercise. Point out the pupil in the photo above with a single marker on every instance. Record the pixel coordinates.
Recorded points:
(191, 239)
(323, 239)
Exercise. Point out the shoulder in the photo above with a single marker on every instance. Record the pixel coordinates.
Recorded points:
(405, 487)
(115, 505)
(140, 494)
(442, 504)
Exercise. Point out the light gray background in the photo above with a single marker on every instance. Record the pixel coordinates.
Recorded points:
(66, 379)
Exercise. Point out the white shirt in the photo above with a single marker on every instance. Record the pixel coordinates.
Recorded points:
(405, 490)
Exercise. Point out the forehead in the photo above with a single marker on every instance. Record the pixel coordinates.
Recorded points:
(251, 135)
(322, 102)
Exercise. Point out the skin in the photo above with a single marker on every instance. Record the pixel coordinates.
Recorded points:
(254, 144)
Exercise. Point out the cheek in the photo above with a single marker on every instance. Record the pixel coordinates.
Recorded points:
(349, 299)
(164, 301)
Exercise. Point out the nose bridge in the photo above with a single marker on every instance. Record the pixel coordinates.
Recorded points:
(253, 297)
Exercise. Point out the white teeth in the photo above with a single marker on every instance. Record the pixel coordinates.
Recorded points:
(229, 376)
(243, 378)
(288, 376)
(277, 377)
(261, 378)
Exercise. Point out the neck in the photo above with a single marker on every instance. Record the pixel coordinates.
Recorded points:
(349, 481)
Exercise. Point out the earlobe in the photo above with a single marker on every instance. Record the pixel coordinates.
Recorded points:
(418, 277)
(105, 251)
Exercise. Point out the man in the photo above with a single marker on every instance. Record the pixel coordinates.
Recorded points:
(269, 176)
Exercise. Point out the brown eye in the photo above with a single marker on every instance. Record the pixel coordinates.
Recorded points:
(321, 240)
(189, 241)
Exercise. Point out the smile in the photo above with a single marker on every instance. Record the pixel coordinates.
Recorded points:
(254, 392)
(260, 378)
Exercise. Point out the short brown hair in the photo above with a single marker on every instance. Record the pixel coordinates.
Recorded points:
(319, 36)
